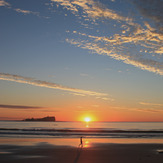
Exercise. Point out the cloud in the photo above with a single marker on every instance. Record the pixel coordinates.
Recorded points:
(87, 110)
(135, 42)
(151, 9)
(140, 62)
(85, 75)
(77, 94)
(150, 110)
(28, 108)
(147, 110)
(19, 107)
(9, 118)
(105, 98)
(32, 81)
(49, 110)
(91, 9)
(4, 3)
(150, 104)
(26, 11)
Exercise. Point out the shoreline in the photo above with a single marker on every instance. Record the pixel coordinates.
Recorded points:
(71, 141)
(45, 151)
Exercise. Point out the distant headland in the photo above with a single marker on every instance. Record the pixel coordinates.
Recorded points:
(44, 119)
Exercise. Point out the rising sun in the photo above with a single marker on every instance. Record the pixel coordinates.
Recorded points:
(87, 119)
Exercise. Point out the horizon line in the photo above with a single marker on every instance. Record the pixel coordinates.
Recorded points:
(91, 121)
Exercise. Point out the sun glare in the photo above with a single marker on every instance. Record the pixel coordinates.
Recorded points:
(87, 119)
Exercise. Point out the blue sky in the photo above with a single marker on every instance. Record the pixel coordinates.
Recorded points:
(82, 57)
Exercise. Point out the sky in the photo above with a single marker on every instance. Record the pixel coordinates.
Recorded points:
(81, 58)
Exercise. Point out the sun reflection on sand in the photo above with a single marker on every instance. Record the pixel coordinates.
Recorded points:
(86, 144)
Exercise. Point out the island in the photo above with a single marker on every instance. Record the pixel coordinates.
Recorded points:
(44, 119)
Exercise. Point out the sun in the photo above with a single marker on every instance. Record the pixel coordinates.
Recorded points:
(87, 119)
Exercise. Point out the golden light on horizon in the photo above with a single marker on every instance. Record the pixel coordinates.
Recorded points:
(87, 119)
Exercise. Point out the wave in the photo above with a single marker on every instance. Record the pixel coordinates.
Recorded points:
(91, 133)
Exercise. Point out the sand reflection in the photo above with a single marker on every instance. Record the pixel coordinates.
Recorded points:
(86, 142)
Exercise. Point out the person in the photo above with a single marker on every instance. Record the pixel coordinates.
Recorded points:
(81, 141)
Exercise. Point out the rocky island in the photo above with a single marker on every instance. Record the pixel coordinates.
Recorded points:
(44, 119)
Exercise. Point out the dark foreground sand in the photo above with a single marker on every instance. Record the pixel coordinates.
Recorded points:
(97, 153)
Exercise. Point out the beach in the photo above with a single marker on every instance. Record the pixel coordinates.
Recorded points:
(46, 152)
(60, 142)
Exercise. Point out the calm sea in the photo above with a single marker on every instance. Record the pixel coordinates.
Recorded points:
(78, 129)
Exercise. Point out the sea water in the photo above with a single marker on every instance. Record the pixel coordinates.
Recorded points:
(118, 130)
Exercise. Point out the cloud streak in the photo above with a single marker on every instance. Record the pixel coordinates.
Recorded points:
(32, 81)
(142, 63)
(4, 3)
(150, 104)
(28, 108)
(150, 110)
(19, 107)
(91, 9)
(26, 11)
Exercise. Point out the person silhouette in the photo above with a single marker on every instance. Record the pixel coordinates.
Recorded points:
(81, 141)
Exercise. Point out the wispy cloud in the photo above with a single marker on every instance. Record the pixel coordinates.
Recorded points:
(19, 107)
(85, 75)
(150, 104)
(151, 9)
(91, 9)
(147, 110)
(32, 81)
(87, 110)
(78, 94)
(4, 3)
(10, 118)
(138, 43)
(142, 63)
(150, 110)
(28, 108)
(26, 11)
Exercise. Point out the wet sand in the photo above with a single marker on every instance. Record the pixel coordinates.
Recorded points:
(96, 153)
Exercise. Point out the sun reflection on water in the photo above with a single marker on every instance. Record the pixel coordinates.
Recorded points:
(87, 125)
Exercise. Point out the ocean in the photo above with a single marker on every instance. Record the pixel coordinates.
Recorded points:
(109, 130)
